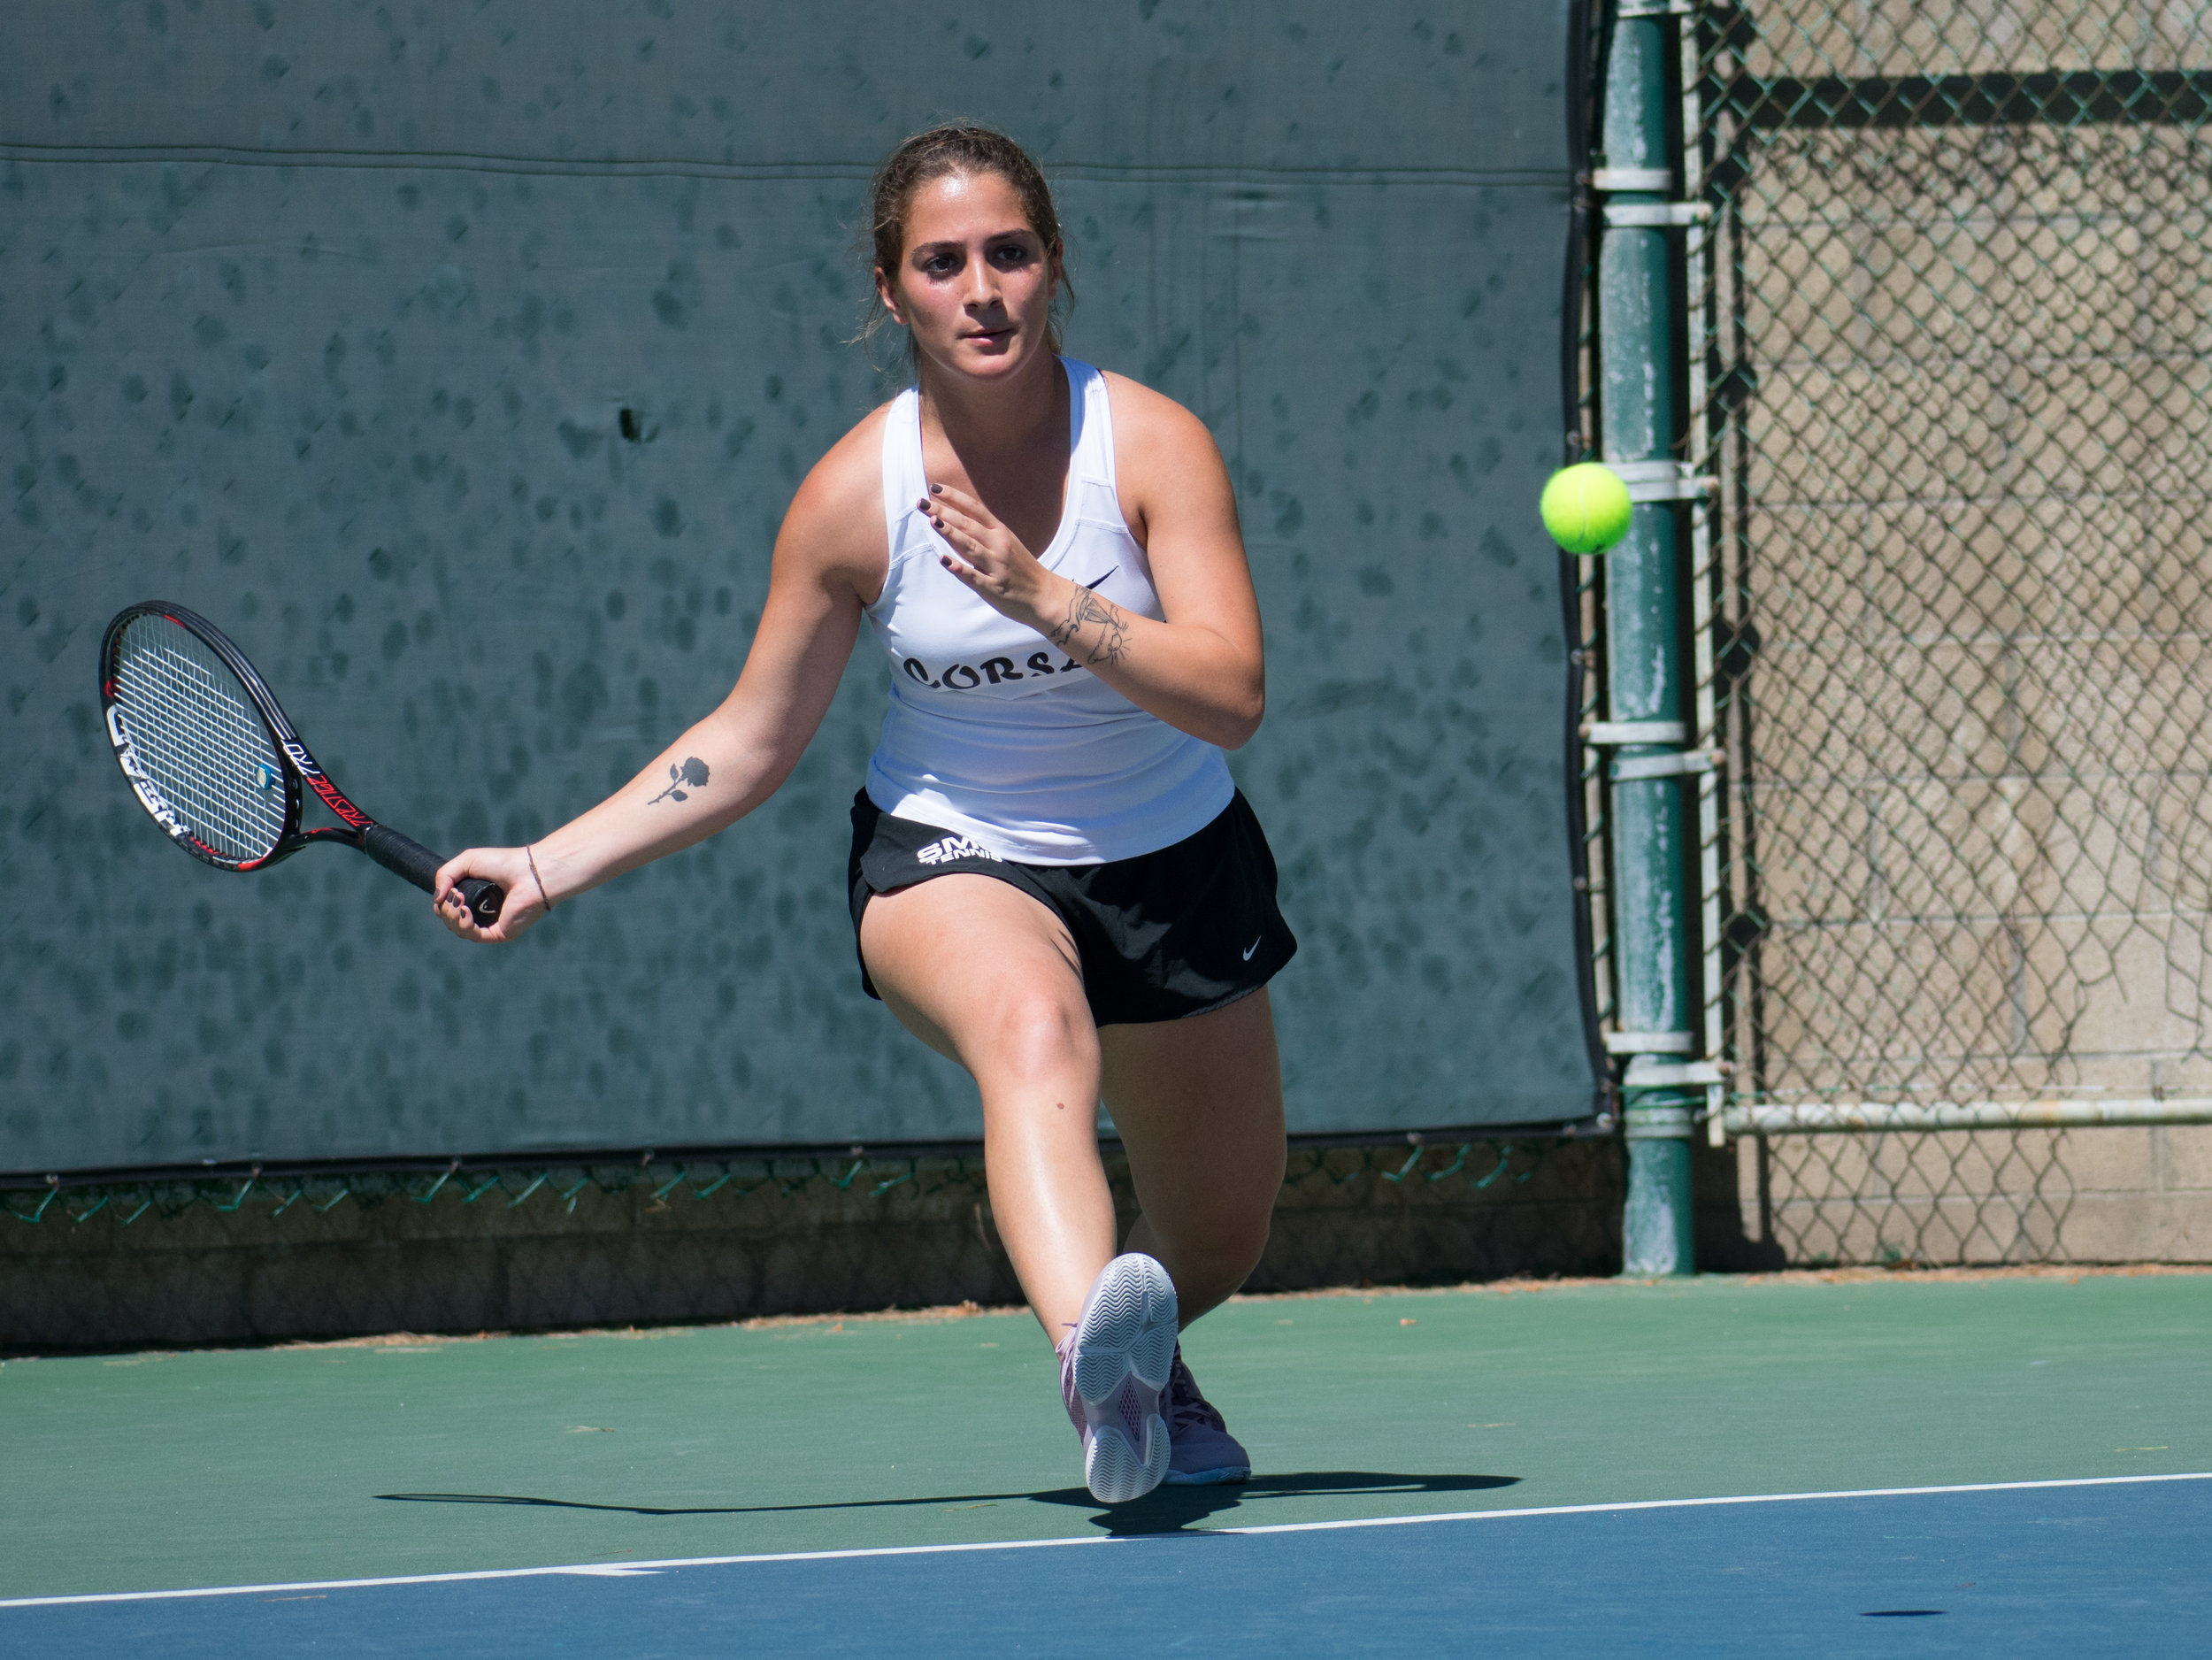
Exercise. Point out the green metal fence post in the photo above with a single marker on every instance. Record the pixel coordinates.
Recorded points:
(1646, 679)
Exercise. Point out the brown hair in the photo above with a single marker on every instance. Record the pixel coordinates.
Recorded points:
(956, 146)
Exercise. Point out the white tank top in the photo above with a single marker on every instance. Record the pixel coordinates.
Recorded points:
(993, 731)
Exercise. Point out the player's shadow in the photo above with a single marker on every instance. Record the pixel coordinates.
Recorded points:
(1164, 1510)
(1167, 1509)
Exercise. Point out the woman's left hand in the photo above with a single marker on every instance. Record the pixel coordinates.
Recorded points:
(991, 558)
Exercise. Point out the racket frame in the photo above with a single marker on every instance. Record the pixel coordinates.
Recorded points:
(361, 832)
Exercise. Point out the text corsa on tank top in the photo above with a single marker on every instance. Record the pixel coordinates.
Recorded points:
(992, 730)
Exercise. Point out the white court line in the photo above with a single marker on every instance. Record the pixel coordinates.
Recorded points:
(624, 1570)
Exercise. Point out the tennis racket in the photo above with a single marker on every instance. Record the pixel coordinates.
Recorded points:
(209, 755)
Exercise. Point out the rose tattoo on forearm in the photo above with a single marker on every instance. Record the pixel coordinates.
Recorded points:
(692, 775)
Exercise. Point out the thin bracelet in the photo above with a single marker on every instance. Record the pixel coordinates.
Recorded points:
(539, 879)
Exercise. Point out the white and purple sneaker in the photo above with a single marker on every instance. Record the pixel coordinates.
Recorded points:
(1114, 1368)
(1203, 1454)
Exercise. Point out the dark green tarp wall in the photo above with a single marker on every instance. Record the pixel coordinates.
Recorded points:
(320, 318)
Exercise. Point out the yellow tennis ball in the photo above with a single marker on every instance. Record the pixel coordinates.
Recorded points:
(1585, 507)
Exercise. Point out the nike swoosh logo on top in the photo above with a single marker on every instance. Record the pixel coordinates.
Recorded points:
(1102, 578)
(1252, 947)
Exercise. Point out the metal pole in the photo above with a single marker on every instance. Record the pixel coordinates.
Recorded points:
(1646, 673)
(1858, 1117)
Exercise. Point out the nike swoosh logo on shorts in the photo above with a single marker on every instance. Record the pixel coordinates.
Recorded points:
(1252, 947)
(1102, 578)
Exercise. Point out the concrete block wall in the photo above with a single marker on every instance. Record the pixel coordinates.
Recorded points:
(2116, 1195)
(628, 1257)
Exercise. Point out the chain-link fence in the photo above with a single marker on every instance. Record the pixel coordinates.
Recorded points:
(1952, 325)
(1916, 1199)
(313, 1251)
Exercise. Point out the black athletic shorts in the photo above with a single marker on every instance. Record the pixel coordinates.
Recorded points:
(1191, 927)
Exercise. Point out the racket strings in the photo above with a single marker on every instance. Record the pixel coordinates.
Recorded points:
(197, 747)
(200, 766)
(201, 763)
(203, 744)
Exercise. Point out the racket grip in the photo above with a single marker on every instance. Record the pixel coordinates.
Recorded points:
(404, 856)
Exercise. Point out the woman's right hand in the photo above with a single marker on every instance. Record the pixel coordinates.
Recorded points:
(509, 869)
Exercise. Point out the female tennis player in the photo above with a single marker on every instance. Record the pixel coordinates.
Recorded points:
(1054, 881)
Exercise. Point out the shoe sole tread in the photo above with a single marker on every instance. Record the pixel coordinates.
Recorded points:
(1127, 1333)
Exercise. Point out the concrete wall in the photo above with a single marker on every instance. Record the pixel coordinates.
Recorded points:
(1963, 539)
(2099, 1195)
(798, 1245)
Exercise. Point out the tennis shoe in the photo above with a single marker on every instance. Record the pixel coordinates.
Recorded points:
(1203, 1452)
(1114, 1370)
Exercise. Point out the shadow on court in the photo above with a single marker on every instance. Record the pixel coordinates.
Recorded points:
(1164, 1510)
(1167, 1509)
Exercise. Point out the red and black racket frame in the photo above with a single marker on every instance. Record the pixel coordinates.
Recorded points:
(396, 853)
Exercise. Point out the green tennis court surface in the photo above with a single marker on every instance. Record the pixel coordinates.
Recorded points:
(429, 1456)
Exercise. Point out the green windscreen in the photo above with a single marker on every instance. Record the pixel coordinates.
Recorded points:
(461, 362)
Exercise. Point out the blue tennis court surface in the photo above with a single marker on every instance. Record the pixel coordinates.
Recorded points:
(1599, 1469)
(2110, 1568)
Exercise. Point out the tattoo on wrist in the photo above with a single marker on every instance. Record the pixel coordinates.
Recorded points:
(691, 775)
(1084, 610)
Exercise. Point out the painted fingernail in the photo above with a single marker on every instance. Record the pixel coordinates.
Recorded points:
(936, 489)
